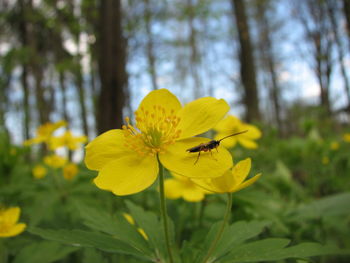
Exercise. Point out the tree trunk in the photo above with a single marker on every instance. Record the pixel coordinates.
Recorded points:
(63, 97)
(248, 75)
(81, 95)
(24, 76)
(346, 9)
(194, 58)
(268, 59)
(340, 47)
(150, 46)
(112, 66)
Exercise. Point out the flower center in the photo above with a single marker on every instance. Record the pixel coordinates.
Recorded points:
(155, 130)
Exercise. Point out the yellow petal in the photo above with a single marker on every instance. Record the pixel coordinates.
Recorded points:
(178, 160)
(201, 115)
(230, 181)
(13, 231)
(249, 144)
(252, 132)
(11, 215)
(247, 183)
(240, 172)
(129, 218)
(221, 184)
(193, 195)
(228, 125)
(229, 142)
(128, 174)
(161, 97)
(104, 149)
(172, 188)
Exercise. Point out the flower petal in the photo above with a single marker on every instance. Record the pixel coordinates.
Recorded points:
(252, 132)
(229, 142)
(178, 160)
(11, 215)
(240, 172)
(228, 125)
(248, 182)
(128, 174)
(221, 184)
(247, 143)
(104, 149)
(201, 115)
(173, 188)
(14, 230)
(160, 97)
(193, 195)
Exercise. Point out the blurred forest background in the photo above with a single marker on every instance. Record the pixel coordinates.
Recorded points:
(283, 64)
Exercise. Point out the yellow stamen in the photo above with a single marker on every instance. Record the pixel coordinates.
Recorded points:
(155, 130)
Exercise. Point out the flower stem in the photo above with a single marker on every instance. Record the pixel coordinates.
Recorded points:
(221, 230)
(163, 210)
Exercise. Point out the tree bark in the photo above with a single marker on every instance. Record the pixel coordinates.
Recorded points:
(346, 10)
(112, 66)
(150, 46)
(340, 47)
(269, 61)
(248, 75)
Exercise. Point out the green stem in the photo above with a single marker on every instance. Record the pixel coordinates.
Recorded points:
(221, 230)
(163, 210)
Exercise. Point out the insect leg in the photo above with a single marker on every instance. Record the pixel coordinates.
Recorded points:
(199, 153)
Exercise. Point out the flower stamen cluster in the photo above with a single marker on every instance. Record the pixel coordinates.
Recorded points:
(154, 132)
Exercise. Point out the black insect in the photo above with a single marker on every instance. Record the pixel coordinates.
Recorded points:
(208, 146)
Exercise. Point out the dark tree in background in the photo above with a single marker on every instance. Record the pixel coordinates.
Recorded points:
(248, 75)
(112, 66)
(268, 59)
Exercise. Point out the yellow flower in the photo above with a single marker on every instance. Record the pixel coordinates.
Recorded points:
(44, 132)
(127, 158)
(8, 222)
(334, 146)
(231, 181)
(68, 140)
(70, 171)
(231, 125)
(39, 171)
(131, 221)
(346, 137)
(325, 160)
(55, 161)
(180, 186)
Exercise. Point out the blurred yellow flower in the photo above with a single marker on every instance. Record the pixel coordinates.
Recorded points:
(325, 160)
(55, 161)
(8, 222)
(67, 139)
(44, 132)
(127, 159)
(334, 146)
(231, 125)
(180, 186)
(232, 181)
(131, 221)
(346, 137)
(70, 171)
(39, 171)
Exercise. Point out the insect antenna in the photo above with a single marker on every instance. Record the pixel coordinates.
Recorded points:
(237, 133)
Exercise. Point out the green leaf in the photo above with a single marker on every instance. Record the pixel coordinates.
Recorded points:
(334, 205)
(116, 226)
(93, 256)
(273, 249)
(80, 238)
(43, 252)
(153, 227)
(149, 222)
(233, 235)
